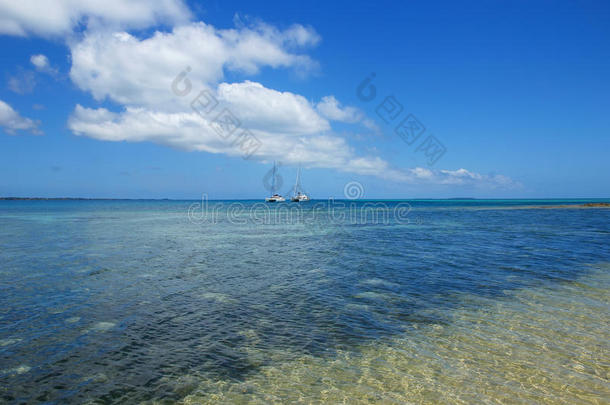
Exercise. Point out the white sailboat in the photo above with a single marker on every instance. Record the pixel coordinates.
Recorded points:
(275, 197)
(298, 195)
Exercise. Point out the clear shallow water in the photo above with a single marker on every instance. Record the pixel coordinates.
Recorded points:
(138, 301)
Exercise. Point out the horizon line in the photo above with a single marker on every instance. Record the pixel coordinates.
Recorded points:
(13, 198)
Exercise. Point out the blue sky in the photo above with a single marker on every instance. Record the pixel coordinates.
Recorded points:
(514, 92)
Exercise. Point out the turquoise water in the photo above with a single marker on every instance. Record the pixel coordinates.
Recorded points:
(460, 301)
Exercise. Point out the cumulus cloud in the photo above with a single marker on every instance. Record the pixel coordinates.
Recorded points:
(261, 108)
(299, 144)
(137, 71)
(138, 74)
(41, 63)
(286, 124)
(292, 144)
(11, 121)
(24, 81)
(331, 108)
(61, 17)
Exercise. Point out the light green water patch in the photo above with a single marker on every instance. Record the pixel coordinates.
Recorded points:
(218, 297)
(376, 296)
(8, 342)
(379, 282)
(101, 327)
(22, 369)
(541, 207)
(56, 310)
(539, 345)
(99, 378)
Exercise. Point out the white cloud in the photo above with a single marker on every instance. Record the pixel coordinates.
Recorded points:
(11, 121)
(137, 71)
(261, 108)
(370, 124)
(461, 177)
(59, 17)
(22, 82)
(296, 144)
(330, 107)
(192, 132)
(286, 124)
(41, 63)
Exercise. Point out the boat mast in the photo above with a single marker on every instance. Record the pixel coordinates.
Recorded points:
(297, 185)
(273, 180)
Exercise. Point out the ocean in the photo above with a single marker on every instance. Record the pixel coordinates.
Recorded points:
(414, 301)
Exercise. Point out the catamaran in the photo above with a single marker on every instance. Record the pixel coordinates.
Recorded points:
(275, 197)
(298, 196)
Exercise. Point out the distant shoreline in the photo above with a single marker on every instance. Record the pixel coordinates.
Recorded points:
(548, 207)
(579, 203)
(81, 199)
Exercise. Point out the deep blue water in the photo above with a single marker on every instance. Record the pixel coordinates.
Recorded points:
(110, 301)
